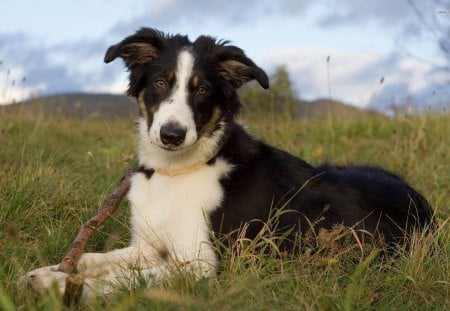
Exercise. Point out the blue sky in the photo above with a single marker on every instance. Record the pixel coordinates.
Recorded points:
(59, 45)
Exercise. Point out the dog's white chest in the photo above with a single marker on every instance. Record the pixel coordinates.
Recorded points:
(173, 209)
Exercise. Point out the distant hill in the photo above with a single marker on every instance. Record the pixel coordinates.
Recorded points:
(109, 106)
(82, 105)
(324, 108)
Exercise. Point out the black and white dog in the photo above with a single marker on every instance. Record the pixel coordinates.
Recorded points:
(203, 174)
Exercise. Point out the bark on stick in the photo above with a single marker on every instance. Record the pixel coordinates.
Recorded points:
(74, 283)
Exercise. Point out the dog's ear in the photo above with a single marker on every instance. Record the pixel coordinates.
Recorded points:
(233, 66)
(141, 48)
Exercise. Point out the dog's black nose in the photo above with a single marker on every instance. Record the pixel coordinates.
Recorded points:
(172, 134)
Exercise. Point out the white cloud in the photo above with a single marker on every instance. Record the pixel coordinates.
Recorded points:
(385, 12)
(355, 76)
(13, 87)
(117, 86)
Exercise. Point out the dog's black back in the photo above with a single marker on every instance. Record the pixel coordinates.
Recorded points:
(364, 197)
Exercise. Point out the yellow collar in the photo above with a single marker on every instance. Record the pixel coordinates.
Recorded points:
(180, 171)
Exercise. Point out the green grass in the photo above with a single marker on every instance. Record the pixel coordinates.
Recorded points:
(55, 173)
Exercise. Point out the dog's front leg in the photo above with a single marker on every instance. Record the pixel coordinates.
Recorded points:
(118, 278)
(42, 279)
(93, 265)
(150, 271)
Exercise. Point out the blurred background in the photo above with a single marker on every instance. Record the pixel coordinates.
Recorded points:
(381, 55)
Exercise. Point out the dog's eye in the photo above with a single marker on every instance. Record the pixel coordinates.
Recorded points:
(161, 83)
(202, 91)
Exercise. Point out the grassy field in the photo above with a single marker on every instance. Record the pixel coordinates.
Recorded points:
(55, 172)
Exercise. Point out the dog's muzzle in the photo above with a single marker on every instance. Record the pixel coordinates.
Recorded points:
(172, 134)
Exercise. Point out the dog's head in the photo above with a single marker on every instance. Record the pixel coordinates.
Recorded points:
(185, 90)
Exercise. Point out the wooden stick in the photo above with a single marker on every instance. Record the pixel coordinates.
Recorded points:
(74, 283)
(73, 290)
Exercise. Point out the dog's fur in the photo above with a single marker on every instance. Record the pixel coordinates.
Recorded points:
(203, 174)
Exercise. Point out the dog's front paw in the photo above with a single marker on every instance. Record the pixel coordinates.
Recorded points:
(43, 279)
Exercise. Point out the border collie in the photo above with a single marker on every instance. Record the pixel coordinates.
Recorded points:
(205, 175)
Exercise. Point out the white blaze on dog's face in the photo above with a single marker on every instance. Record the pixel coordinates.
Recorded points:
(173, 125)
